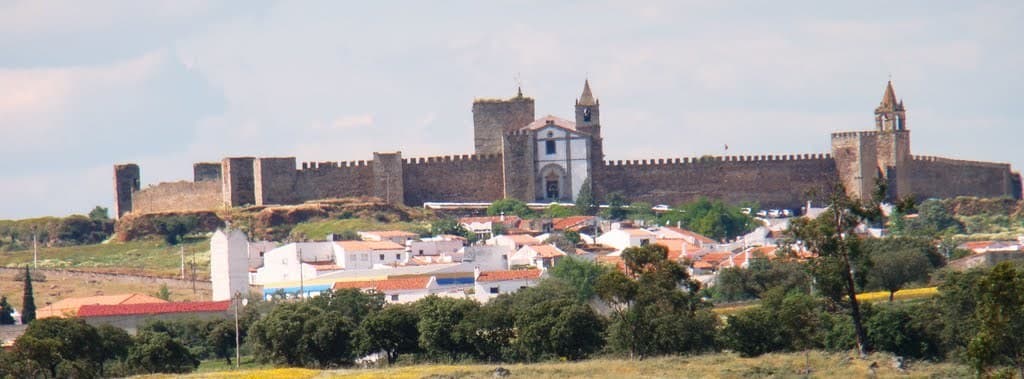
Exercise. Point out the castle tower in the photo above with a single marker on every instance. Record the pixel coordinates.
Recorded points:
(126, 182)
(229, 264)
(890, 114)
(492, 118)
(863, 158)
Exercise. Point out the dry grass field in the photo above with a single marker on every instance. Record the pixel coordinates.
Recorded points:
(813, 364)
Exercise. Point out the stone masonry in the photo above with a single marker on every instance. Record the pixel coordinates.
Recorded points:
(503, 166)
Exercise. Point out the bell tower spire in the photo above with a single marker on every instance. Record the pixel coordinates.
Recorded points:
(890, 114)
(588, 112)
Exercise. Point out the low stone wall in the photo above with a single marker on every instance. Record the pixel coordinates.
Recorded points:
(178, 196)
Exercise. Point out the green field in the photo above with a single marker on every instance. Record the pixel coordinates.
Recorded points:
(720, 365)
(149, 257)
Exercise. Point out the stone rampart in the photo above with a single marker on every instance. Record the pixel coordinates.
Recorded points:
(775, 181)
(943, 178)
(178, 196)
(324, 180)
(274, 180)
(459, 178)
(206, 172)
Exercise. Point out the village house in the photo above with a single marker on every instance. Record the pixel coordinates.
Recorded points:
(621, 239)
(400, 237)
(483, 227)
(539, 256)
(513, 241)
(677, 233)
(410, 289)
(130, 316)
(490, 284)
(69, 307)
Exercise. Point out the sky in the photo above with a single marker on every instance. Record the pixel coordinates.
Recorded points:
(164, 84)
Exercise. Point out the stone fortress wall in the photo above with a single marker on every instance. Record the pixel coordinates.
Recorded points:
(775, 181)
(503, 167)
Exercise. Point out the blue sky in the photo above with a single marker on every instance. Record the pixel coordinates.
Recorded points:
(85, 85)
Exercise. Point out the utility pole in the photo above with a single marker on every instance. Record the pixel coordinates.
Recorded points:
(182, 250)
(193, 271)
(35, 249)
(302, 289)
(237, 302)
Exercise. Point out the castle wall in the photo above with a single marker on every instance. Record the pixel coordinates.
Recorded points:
(178, 196)
(465, 178)
(518, 166)
(388, 178)
(943, 178)
(786, 181)
(324, 180)
(126, 182)
(206, 172)
(238, 183)
(274, 180)
(494, 118)
(856, 157)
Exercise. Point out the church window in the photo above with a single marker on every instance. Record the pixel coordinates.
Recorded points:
(549, 147)
(586, 114)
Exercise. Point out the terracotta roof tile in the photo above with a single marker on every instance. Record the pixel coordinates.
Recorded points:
(697, 237)
(369, 245)
(574, 223)
(551, 120)
(396, 284)
(547, 251)
(153, 308)
(497, 276)
(70, 307)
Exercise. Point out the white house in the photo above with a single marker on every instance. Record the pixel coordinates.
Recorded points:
(513, 241)
(487, 258)
(490, 284)
(400, 237)
(363, 255)
(674, 233)
(483, 227)
(620, 239)
(434, 246)
(284, 263)
(540, 256)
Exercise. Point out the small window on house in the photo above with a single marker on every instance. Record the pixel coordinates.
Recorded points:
(261, 254)
(398, 256)
(394, 297)
(381, 257)
(549, 147)
(421, 251)
(645, 242)
(494, 290)
(504, 257)
(522, 287)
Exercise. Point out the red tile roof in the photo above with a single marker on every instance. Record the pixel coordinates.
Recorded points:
(350, 246)
(521, 239)
(574, 223)
(551, 120)
(547, 251)
(696, 237)
(69, 307)
(396, 284)
(497, 276)
(153, 308)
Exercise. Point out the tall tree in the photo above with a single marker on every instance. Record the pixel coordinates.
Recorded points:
(585, 203)
(840, 255)
(1000, 338)
(28, 307)
(392, 330)
(5, 312)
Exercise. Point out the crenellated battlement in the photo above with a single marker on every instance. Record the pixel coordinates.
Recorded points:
(313, 166)
(854, 134)
(727, 158)
(929, 158)
(518, 133)
(452, 158)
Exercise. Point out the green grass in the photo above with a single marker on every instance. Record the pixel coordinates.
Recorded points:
(148, 257)
(318, 230)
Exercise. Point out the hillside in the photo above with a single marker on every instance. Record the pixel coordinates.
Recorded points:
(720, 365)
